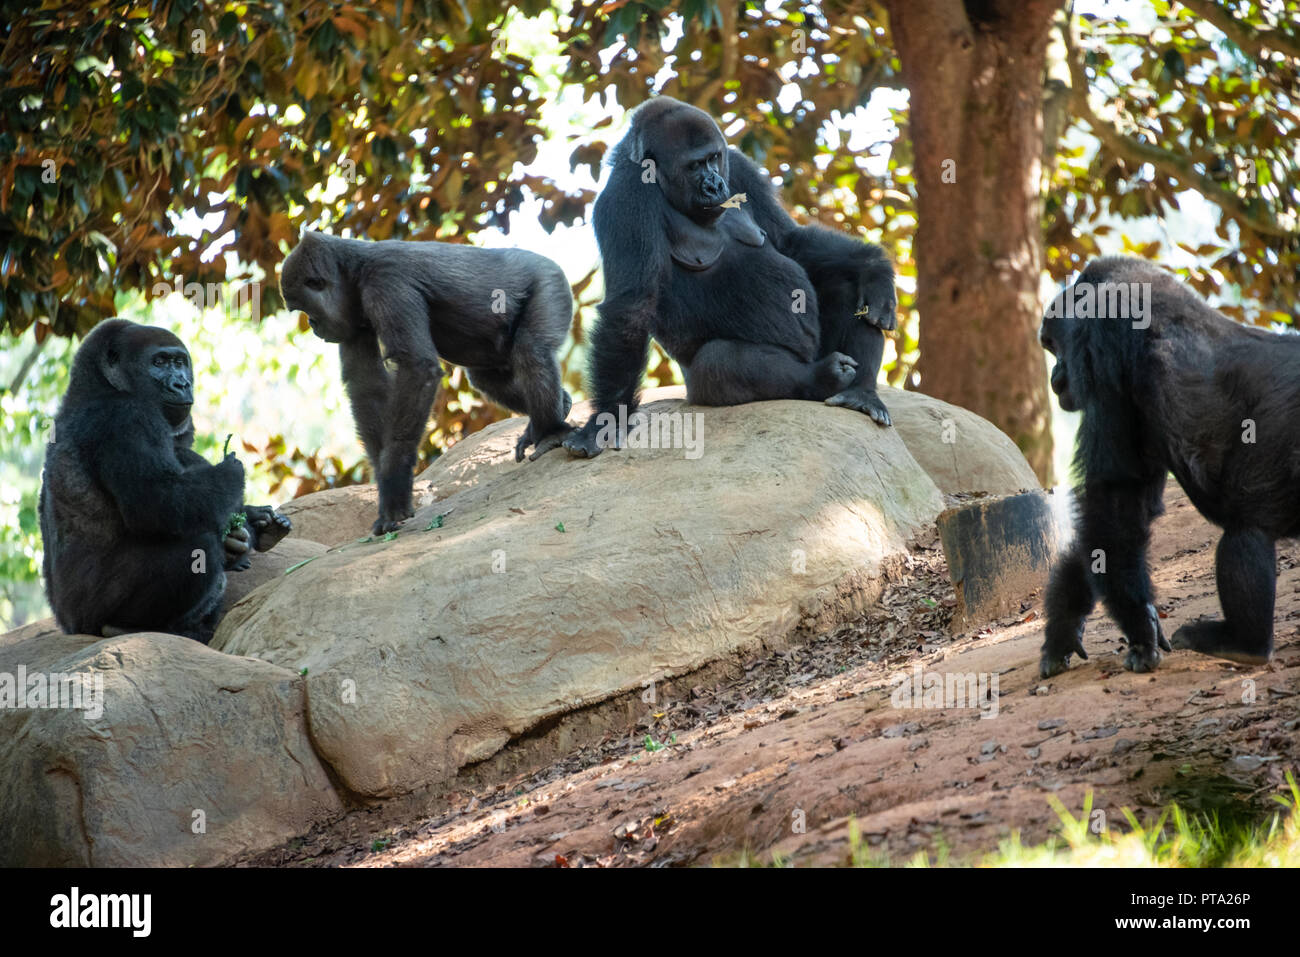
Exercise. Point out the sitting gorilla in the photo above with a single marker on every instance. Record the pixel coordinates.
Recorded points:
(698, 253)
(138, 528)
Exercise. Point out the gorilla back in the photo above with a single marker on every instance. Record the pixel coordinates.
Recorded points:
(132, 519)
(1170, 386)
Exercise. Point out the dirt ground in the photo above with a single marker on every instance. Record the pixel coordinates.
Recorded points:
(783, 752)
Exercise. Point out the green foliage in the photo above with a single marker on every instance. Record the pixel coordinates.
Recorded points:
(1182, 105)
(392, 119)
(26, 417)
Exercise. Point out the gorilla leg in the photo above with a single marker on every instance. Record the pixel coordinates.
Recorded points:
(854, 336)
(532, 386)
(731, 372)
(1246, 569)
(1070, 600)
(866, 344)
(1115, 530)
(168, 588)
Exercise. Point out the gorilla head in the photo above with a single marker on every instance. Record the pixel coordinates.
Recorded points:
(312, 280)
(1050, 335)
(689, 152)
(143, 361)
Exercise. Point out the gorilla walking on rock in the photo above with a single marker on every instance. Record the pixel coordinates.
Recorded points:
(500, 313)
(137, 526)
(750, 304)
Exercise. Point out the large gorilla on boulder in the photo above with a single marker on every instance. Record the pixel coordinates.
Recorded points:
(698, 253)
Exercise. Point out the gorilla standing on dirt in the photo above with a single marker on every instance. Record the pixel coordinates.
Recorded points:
(1172, 386)
(750, 304)
(500, 313)
(136, 525)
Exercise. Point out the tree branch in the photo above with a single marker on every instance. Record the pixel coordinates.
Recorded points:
(1174, 165)
(1250, 40)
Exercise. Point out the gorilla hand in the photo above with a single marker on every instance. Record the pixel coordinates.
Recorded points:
(1063, 641)
(237, 543)
(879, 303)
(268, 526)
(863, 398)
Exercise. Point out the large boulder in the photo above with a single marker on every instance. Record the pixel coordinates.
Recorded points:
(521, 591)
(268, 566)
(960, 451)
(189, 756)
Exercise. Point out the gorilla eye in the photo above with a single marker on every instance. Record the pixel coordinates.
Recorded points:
(314, 283)
(160, 360)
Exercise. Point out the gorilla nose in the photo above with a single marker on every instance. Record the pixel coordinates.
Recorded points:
(715, 189)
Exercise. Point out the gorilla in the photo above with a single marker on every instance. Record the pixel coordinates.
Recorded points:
(1167, 384)
(698, 253)
(500, 313)
(138, 528)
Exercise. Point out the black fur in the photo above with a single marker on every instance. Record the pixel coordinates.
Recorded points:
(500, 313)
(731, 319)
(127, 505)
(1177, 396)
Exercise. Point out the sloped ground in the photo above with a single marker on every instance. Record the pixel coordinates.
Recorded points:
(780, 753)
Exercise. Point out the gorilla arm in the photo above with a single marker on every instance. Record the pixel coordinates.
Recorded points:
(391, 413)
(854, 269)
(156, 493)
(634, 259)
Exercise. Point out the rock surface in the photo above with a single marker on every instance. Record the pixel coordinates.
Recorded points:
(268, 566)
(558, 583)
(187, 737)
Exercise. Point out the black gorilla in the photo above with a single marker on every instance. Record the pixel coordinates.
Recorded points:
(134, 521)
(1167, 384)
(750, 304)
(500, 313)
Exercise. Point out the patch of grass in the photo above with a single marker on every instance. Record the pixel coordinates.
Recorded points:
(1178, 838)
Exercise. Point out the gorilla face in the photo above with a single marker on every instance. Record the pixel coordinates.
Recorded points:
(167, 369)
(691, 159)
(142, 361)
(310, 282)
(1049, 335)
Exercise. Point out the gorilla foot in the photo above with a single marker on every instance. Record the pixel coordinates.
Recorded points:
(1216, 639)
(1059, 646)
(269, 526)
(1142, 660)
(585, 442)
(551, 440)
(863, 400)
(832, 374)
(390, 522)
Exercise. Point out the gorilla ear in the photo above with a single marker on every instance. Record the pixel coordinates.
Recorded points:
(636, 147)
(110, 364)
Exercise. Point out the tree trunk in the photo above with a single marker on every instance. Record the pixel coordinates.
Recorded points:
(974, 71)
